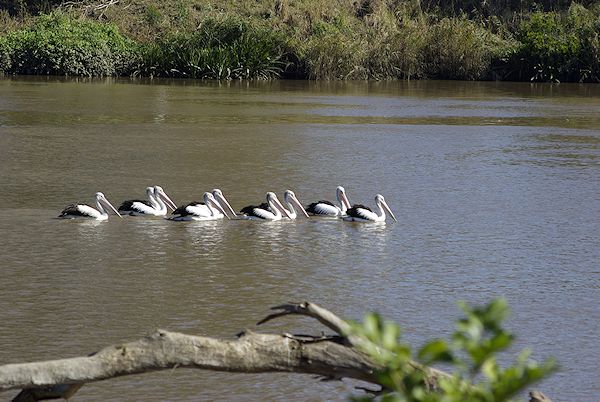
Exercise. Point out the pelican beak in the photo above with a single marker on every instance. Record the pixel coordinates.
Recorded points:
(298, 205)
(167, 200)
(219, 207)
(345, 200)
(387, 208)
(281, 208)
(109, 205)
(222, 200)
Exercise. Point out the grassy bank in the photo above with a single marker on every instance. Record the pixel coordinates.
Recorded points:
(343, 39)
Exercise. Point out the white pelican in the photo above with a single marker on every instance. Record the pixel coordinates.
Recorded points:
(327, 208)
(360, 213)
(269, 211)
(292, 202)
(201, 209)
(85, 211)
(156, 205)
(213, 210)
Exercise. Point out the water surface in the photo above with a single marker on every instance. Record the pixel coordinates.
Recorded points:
(496, 187)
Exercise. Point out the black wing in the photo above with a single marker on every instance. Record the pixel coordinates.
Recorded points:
(353, 212)
(72, 210)
(127, 206)
(249, 210)
(182, 211)
(312, 207)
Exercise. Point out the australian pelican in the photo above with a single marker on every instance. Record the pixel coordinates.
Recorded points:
(327, 208)
(201, 209)
(209, 210)
(272, 210)
(85, 211)
(156, 205)
(292, 202)
(360, 213)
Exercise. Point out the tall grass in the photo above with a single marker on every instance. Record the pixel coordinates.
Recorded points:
(399, 42)
(331, 55)
(396, 33)
(220, 49)
(458, 48)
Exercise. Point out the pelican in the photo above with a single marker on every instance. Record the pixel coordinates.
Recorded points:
(201, 209)
(292, 202)
(213, 210)
(327, 208)
(360, 213)
(85, 211)
(157, 198)
(272, 210)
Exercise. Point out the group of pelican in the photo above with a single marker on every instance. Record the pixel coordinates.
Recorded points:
(215, 206)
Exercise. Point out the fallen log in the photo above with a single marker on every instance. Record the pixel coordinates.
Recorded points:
(334, 356)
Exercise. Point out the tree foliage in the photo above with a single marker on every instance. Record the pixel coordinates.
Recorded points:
(472, 351)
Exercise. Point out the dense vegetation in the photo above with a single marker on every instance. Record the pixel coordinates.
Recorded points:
(340, 39)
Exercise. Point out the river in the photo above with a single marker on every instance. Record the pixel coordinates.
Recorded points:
(496, 187)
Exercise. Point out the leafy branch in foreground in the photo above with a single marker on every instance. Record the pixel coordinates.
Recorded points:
(477, 377)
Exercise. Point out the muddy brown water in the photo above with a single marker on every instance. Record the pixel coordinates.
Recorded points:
(496, 187)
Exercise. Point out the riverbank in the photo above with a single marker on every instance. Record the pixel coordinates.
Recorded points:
(307, 40)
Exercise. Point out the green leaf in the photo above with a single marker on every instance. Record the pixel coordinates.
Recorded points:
(490, 369)
(435, 351)
(390, 335)
(371, 326)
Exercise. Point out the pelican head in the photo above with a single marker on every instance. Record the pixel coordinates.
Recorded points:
(209, 199)
(381, 202)
(274, 201)
(218, 194)
(102, 203)
(159, 192)
(290, 197)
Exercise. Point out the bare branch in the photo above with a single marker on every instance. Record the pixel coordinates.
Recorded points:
(343, 328)
(330, 357)
(251, 353)
(324, 316)
(537, 396)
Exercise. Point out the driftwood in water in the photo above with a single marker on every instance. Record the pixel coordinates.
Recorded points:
(333, 357)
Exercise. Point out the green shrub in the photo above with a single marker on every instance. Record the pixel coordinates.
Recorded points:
(548, 48)
(585, 25)
(556, 47)
(60, 45)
